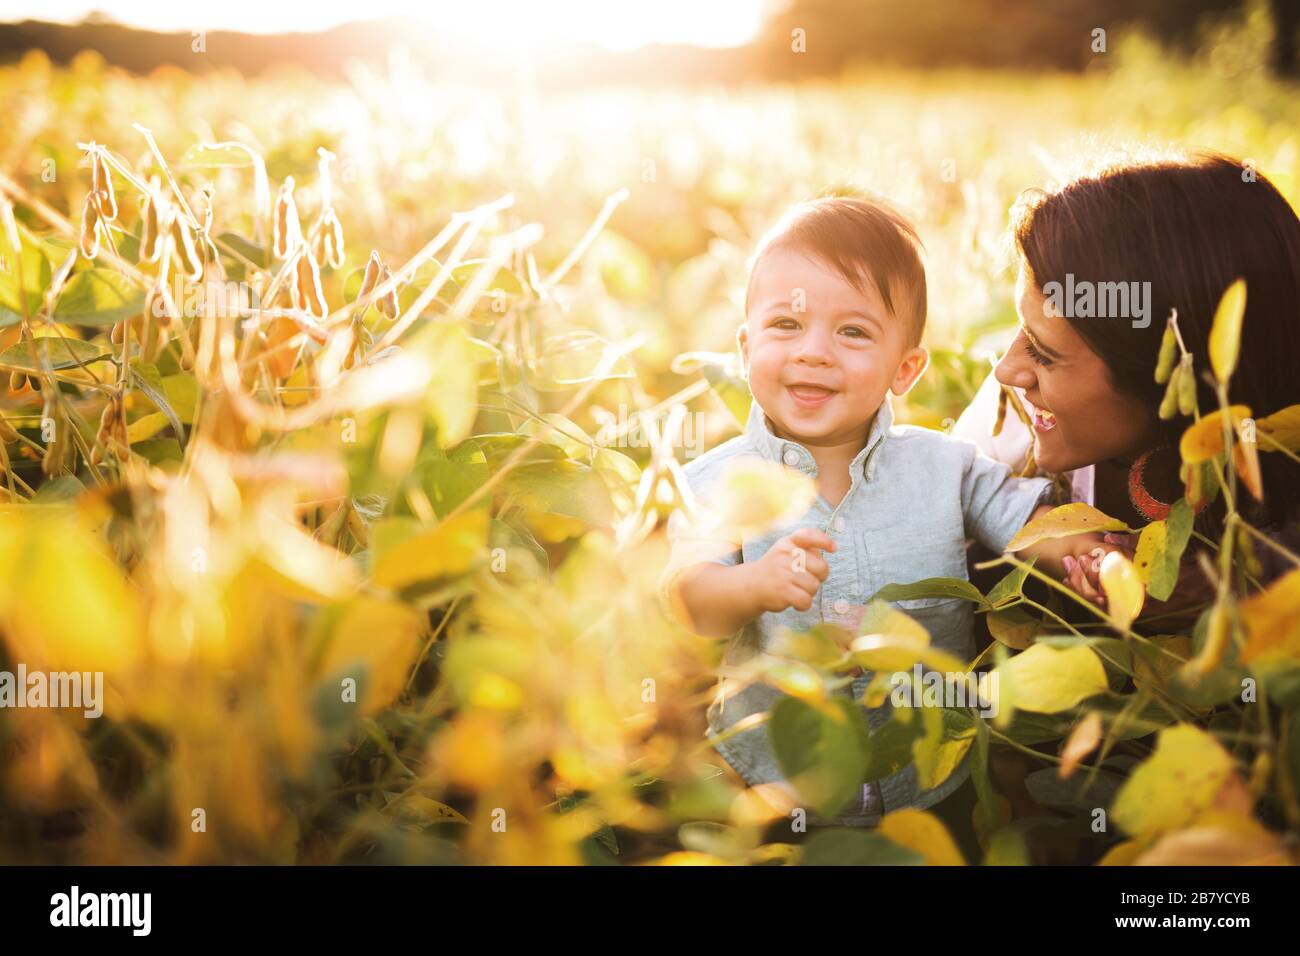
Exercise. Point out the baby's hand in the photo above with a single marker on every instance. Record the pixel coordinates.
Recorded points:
(791, 571)
(1083, 564)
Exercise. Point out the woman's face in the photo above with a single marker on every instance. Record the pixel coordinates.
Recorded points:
(1079, 417)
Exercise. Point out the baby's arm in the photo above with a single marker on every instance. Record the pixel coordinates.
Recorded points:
(717, 600)
(1073, 559)
(995, 503)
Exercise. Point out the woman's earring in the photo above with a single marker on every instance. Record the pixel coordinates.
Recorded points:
(1146, 504)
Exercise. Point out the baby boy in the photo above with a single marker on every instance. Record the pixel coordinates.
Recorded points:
(834, 314)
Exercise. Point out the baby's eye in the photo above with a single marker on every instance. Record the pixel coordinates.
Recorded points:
(784, 322)
(856, 332)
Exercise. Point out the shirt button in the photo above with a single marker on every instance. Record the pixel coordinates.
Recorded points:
(791, 457)
(838, 524)
(841, 606)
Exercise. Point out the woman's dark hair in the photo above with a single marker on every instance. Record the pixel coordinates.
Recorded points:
(1189, 225)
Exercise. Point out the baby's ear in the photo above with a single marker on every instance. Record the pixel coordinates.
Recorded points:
(742, 343)
(909, 370)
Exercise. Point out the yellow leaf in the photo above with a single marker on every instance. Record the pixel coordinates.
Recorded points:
(65, 604)
(1082, 741)
(939, 751)
(374, 642)
(416, 808)
(1124, 589)
(145, 427)
(1225, 333)
(923, 832)
(446, 550)
(1175, 784)
(471, 751)
(1123, 854)
(896, 652)
(1203, 440)
(1014, 626)
(303, 567)
(689, 858)
(893, 641)
(757, 494)
(1061, 522)
(1217, 840)
(495, 692)
(1151, 544)
(795, 678)
(1272, 620)
(452, 392)
(1282, 427)
(1047, 681)
(1245, 458)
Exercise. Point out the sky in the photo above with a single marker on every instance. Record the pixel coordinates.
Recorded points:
(615, 24)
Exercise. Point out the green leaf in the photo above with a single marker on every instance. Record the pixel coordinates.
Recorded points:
(35, 272)
(1160, 550)
(621, 475)
(822, 750)
(448, 479)
(62, 488)
(452, 395)
(1029, 728)
(628, 273)
(564, 434)
(930, 588)
(559, 499)
(258, 255)
(60, 353)
(505, 280)
(1011, 588)
(146, 378)
(572, 358)
(1080, 792)
(890, 749)
(496, 447)
(517, 542)
(98, 297)
(1225, 333)
(733, 392)
(843, 846)
(157, 450)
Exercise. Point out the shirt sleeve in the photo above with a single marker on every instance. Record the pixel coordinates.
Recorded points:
(995, 503)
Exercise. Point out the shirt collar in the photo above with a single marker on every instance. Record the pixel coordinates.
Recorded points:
(795, 455)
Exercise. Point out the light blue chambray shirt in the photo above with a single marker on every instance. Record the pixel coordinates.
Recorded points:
(915, 497)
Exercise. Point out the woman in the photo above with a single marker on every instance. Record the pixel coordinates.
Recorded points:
(1183, 229)
(1175, 232)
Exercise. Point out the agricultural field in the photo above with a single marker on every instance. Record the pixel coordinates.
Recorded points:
(339, 439)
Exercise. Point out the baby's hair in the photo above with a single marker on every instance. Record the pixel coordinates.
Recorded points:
(864, 240)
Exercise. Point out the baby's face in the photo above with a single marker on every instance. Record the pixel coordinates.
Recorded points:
(821, 373)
